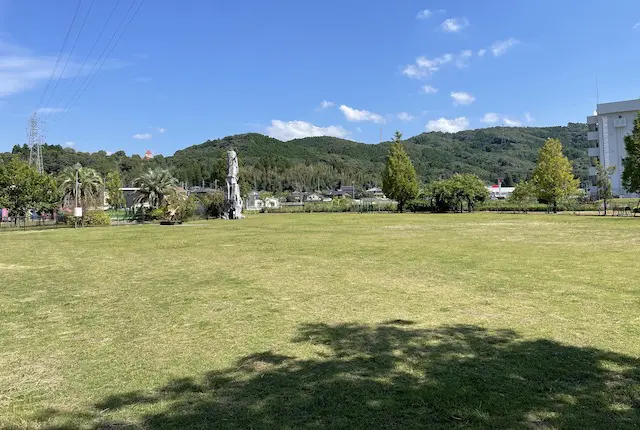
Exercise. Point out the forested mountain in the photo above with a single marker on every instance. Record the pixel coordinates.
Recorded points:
(326, 162)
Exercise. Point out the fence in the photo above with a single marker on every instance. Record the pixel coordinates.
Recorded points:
(28, 223)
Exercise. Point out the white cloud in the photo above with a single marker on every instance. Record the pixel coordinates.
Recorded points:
(424, 14)
(324, 104)
(463, 58)
(511, 122)
(162, 130)
(50, 110)
(481, 52)
(448, 125)
(357, 115)
(412, 71)
(528, 117)
(142, 136)
(358, 129)
(490, 118)
(109, 153)
(637, 25)
(404, 116)
(428, 89)
(426, 67)
(462, 98)
(446, 58)
(454, 25)
(500, 47)
(22, 70)
(69, 144)
(299, 129)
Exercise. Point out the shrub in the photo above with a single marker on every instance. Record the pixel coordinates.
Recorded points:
(156, 214)
(97, 218)
(421, 206)
(213, 203)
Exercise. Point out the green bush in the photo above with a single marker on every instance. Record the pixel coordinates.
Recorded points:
(156, 214)
(212, 203)
(97, 218)
(528, 206)
(420, 206)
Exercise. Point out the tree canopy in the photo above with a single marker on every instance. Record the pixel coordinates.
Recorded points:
(113, 185)
(89, 186)
(553, 176)
(455, 192)
(399, 180)
(23, 188)
(155, 187)
(326, 162)
(631, 163)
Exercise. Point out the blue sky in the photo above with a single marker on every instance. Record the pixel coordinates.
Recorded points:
(187, 71)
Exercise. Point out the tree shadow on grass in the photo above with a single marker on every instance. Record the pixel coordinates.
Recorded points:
(394, 375)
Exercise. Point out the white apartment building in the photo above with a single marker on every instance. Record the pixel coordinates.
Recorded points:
(607, 129)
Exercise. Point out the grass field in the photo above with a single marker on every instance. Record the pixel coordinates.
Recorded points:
(324, 321)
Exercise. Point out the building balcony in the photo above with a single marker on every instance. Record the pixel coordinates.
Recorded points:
(592, 119)
(594, 152)
(592, 135)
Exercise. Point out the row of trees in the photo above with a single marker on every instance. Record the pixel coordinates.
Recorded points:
(23, 189)
(552, 181)
(304, 164)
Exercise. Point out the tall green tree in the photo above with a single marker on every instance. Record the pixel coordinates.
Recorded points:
(155, 186)
(603, 183)
(113, 186)
(553, 176)
(631, 163)
(89, 186)
(48, 195)
(23, 188)
(399, 180)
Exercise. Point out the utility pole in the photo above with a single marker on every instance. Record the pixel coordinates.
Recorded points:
(34, 139)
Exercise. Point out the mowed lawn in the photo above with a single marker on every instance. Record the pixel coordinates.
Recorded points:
(324, 321)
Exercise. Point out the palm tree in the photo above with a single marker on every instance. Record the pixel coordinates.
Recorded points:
(155, 185)
(88, 187)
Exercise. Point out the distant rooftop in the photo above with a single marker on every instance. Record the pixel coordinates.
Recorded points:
(623, 106)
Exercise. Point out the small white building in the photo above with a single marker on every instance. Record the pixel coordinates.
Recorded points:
(607, 128)
(253, 202)
(314, 197)
(271, 203)
(497, 192)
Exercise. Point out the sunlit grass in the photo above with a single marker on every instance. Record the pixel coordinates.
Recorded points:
(86, 314)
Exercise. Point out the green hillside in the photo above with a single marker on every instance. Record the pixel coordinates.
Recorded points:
(271, 164)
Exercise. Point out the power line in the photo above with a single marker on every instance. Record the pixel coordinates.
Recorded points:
(91, 77)
(84, 21)
(55, 67)
(95, 43)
